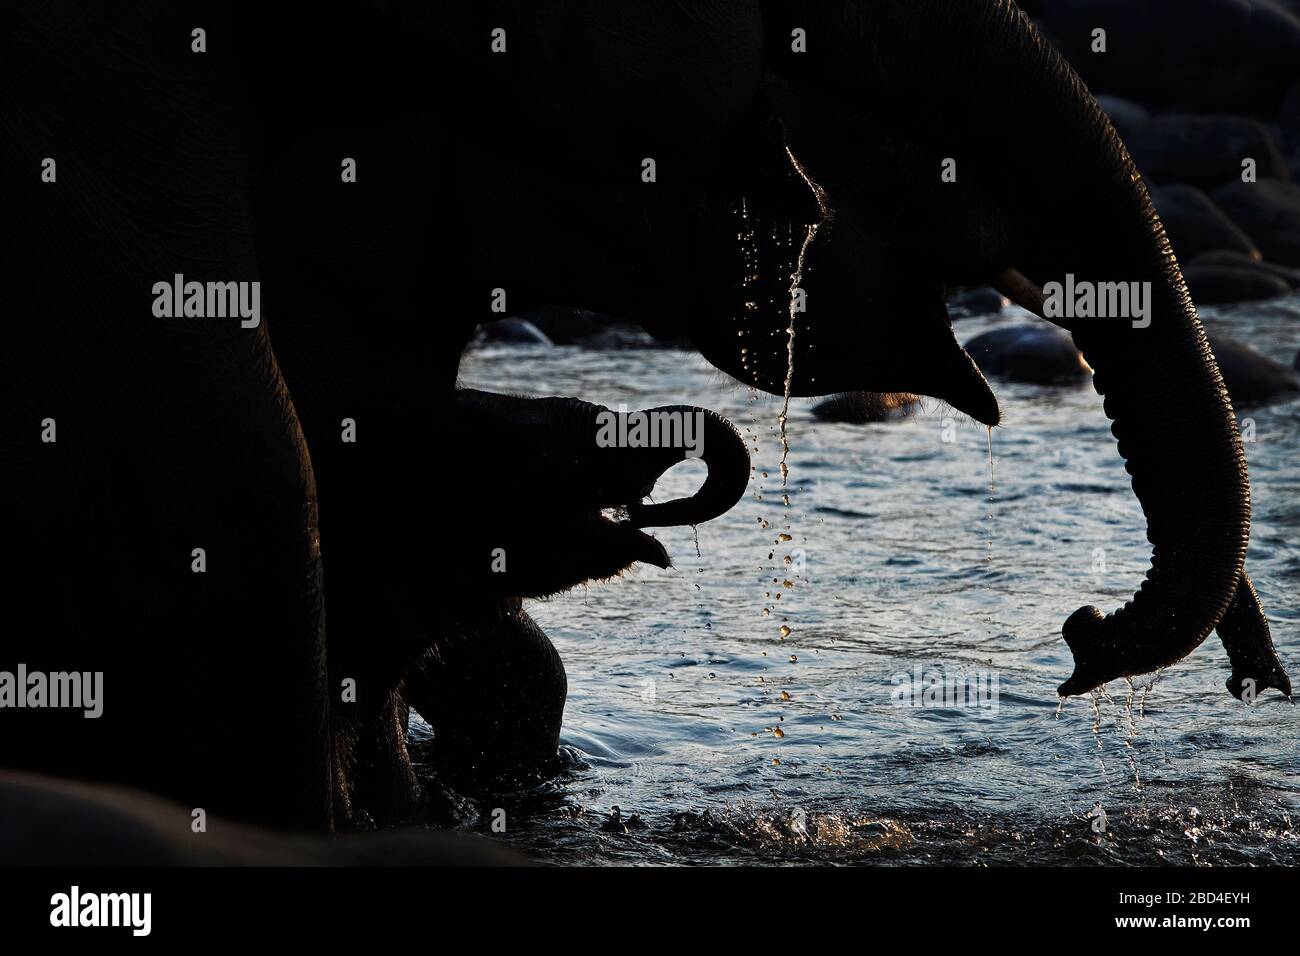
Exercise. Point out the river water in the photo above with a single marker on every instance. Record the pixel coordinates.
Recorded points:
(906, 560)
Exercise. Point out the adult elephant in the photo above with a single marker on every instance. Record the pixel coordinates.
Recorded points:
(877, 104)
(174, 508)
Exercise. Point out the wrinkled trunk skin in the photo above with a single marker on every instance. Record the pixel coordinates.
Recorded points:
(944, 73)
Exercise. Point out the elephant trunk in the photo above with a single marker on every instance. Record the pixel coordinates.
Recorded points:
(634, 448)
(1161, 385)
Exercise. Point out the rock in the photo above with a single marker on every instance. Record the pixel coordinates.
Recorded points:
(1196, 225)
(1269, 212)
(567, 326)
(1227, 257)
(1252, 378)
(1220, 285)
(515, 331)
(1288, 120)
(1037, 354)
(1204, 56)
(980, 301)
(858, 408)
(1204, 150)
(1124, 114)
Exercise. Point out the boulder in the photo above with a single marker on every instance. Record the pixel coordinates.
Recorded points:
(514, 331)
(1223, 284)
(1269, 212)
(1202, 56)
(1124, 114)
(1196, 225)
(859, 408)
(1204, 151)
(977, 301)
(1037, 354)
(1252, 378)
(1227, 257)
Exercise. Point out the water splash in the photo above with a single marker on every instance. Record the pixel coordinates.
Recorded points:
(1096, 731)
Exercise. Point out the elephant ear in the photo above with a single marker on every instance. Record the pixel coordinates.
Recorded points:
(758, 166)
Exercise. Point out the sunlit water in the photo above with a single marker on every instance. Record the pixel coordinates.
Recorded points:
(901, 559)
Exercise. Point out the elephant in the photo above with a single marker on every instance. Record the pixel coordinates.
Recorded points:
(181, 490)
(719, 174)
(870, 114)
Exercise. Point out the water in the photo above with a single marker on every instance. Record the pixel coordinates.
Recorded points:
(678, 682)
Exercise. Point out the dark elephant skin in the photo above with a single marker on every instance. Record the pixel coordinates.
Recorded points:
(223, 688)
(170, 436)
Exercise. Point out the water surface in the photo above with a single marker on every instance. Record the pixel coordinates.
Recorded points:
(902, 558)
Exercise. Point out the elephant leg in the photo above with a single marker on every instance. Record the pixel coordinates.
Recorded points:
(493, 692)
(1244, 632)
(384, 786)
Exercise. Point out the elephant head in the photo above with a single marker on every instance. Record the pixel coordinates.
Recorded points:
(879, 101)
(587, 469)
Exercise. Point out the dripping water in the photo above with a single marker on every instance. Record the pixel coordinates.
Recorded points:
(1096, 732)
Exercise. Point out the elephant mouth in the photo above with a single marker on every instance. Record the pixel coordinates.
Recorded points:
(623, 539)
(604, 470)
